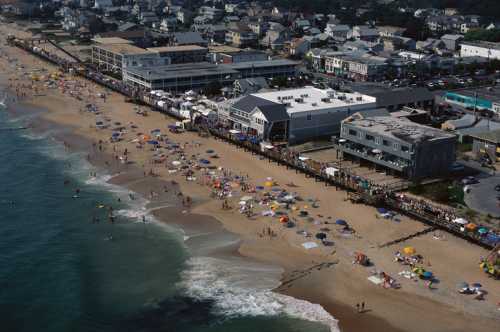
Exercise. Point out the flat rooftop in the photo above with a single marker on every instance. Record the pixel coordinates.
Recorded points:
(492, 94)
(313, 99)
(223, 49)
(181, 71)
(111, 40)
(182, 48)
(262, 64)
(485, 44)
(399, 129)
(123, 49)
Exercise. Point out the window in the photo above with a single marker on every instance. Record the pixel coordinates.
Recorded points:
(377, 140)
(395, 146)
(370, 137)
(405, 148)
(352, 132)
(309, 117)
(385, 142)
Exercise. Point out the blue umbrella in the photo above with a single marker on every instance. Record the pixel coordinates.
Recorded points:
(493, 238)
(115, 134)
(482, 230)
(427, 274)
(382, 210)
(341, 222)
(204, 161)
(153, 142)
(259, 188)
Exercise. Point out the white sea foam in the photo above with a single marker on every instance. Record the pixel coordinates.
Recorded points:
(244, 289)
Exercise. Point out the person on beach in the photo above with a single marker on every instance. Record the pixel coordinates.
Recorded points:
(362, 306)
(357, 307)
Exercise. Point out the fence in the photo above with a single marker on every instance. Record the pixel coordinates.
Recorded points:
(368, 192)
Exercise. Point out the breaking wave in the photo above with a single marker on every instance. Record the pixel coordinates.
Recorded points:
(245, 289)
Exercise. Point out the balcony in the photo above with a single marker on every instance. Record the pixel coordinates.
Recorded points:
(375, 156)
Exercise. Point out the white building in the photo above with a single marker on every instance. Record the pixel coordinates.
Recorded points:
(295, 115)
(482, 49)
(100, 4)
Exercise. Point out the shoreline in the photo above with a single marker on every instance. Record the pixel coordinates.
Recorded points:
(343, 285)
(164, 208)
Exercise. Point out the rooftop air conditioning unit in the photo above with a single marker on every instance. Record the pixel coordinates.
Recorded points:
(314, 104)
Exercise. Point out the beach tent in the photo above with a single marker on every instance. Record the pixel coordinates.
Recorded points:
(341, 222)
(471, 227)
(460, 221)
(331, 171)
(409, 250)
(482, 230)
(309, 245)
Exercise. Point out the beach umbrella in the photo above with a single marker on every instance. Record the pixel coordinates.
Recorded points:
(320, 236)
(210, 151)
(477, 285)
(427, 274)
(460, 221)
(153, 142)
(259, 188)
(341, 222)
(409, 250)
(204, 161)
(471, 226)
(382, 210)
(269, 183)
(482, 230)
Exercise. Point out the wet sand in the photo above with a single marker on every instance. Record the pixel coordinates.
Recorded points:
(338, 285)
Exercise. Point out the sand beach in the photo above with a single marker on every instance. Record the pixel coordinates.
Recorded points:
(322, 275)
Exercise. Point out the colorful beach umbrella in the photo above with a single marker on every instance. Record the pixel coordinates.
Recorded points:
(409, 250)
(482, 230)
(341, 222)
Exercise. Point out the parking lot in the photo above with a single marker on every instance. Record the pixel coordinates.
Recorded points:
(483, 197)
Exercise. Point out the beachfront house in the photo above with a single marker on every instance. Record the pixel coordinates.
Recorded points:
(295, 115)
(397, 145)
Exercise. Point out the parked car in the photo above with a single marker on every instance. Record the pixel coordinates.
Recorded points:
(469, 180)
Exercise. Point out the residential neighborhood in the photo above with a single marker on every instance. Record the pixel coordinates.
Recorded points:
(250, 165)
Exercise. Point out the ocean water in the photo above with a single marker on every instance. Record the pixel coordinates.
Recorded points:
(61, 272)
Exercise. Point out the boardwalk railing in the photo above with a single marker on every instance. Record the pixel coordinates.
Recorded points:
(368, 192)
